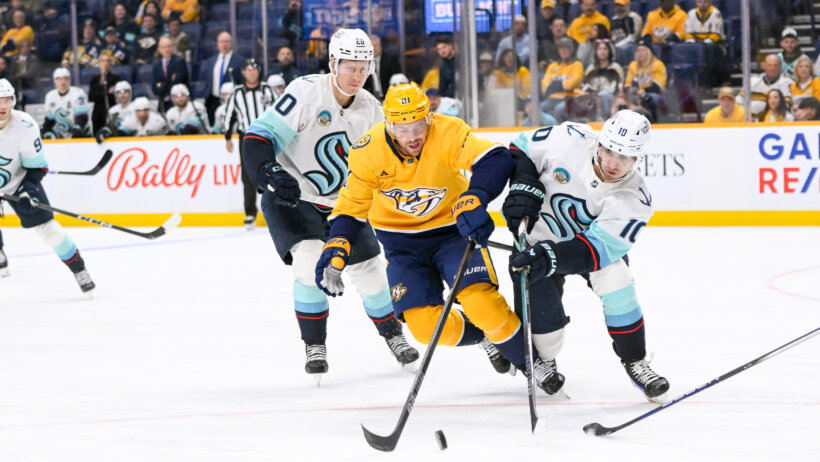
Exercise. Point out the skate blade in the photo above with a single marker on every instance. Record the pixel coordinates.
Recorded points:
(512, 371)
(250, 227)
(559, 395)
(318, 379)
(660, 399)
(4, 273)
(411, 368)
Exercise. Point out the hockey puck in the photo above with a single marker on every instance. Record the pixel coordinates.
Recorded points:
(441, 440)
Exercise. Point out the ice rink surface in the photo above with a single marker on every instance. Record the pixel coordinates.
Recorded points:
(189, 351)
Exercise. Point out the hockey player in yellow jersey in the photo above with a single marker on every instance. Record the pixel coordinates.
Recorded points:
(405, 178)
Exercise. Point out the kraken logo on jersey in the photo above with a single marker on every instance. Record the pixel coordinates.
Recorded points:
(63, 122)
(5, 176)
(571, 216)
(647, 198)
(331, 154)
(419, 201)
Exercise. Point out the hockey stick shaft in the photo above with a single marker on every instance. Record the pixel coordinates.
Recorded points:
(599, 430)
(521, 245)
(498, 245)
(102, 163)
(389, 442)
(169, 224)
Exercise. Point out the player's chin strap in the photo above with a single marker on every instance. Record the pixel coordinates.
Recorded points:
(333, 77)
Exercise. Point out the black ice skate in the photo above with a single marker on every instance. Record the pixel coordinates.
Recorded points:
(84, 280)
(316, 361)
(405, 354)
(651, 384)
(548, 378)
(250, 222)
(4, 264)
(501, 364)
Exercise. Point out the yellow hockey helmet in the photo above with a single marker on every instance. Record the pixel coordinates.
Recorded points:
(406, 103)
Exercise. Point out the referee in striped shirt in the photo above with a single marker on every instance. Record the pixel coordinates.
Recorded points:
(246, 103)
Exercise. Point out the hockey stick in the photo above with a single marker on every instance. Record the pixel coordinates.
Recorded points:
(389, 442)
(599, 430)
(171, 223)
(521, 245)
(105, 158)
(498, 245)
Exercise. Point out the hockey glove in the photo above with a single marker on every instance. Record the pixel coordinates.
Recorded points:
(540, 259)
(27, 192)
(333, 260)
(472, 218)
(78, 132)
(525, 199)
(284, 186)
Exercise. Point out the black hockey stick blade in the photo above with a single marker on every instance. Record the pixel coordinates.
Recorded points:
(597, 429)
(498, 245)
(102, 163)
(389, 442)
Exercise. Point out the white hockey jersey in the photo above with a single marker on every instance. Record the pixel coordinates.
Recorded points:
(22, 149)
(117, 112)
(131, 126)
(191, 119)
(65, 110)
(311, 134)
(608, 215)
(219, 119)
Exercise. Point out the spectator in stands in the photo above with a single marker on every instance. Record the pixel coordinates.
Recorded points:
(284, 65)
(182, 44)
(11, 8)
(24, 68)
(626, 25)
(431, 77)
(168, 71)
(447, 70)
(647, 77)
(386, 64)
(791, 52)
(777, 109)
(101, 93)
(604, 76)
(808, 109)
(187, 10)
(546, 119)
(147, 7)
(5, 73)
(664, 25)
(115, 48)
(580, 27)
(586, 49)
(290, 23)
(143, 122)
(760, 85)
(145, 47)
(543, 22)
(562, 79)
(88, 49)
(186, 117)
(443, 104)
(486, 66)
(806, 84)
(127, 29)
(704, 24)
(216, 70)
(518, 40)
(124, 106)
(726, 111)
(548, 50)
(19, 32)
(510, 73)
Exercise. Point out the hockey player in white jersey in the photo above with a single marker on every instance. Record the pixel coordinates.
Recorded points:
(124, 106)
(219, 115)
(596, 205)
(296, 153)
(186, 117)
(22, 168)
(66, 109)
(142, 121)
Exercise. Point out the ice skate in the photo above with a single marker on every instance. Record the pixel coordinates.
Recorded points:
(85, 282)
(652, 385)
(499, 362)
(316, 364)
(4, 264)
(250, 222)
(405, 354)
(548, 378)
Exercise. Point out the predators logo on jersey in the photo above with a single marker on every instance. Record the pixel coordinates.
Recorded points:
(419, 201)
(397, 292)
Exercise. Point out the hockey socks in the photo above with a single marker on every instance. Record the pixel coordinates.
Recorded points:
(311, 312)
(629, 341)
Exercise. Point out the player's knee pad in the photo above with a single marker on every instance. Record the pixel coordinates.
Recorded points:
(616, 288)
(305, 255)
(422, 324)
(549, 344)
(369, 277)
(53, 235)
(488, 310)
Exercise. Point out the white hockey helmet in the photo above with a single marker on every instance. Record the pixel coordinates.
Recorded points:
(122, 85)
(398, 79)
(626, 133)
(6, 90)
(141, 104)
(60, 72)
(180, 89)
(350, 44)
(226, 88)
(276, 80)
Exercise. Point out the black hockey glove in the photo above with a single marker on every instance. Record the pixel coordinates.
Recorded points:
(27, 192)
(525, 199)
(540, 259)
(284, 186)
